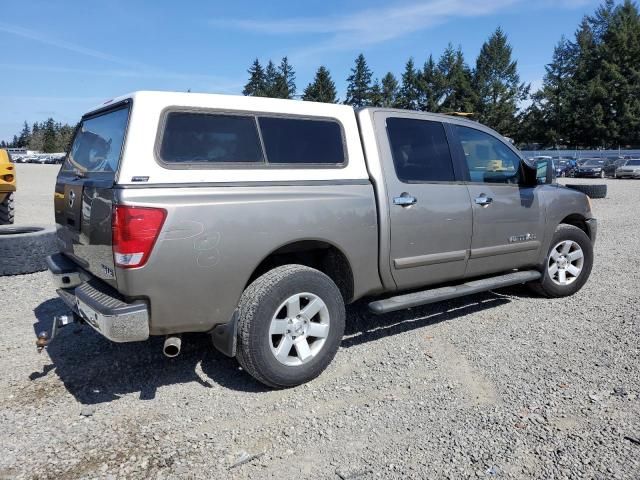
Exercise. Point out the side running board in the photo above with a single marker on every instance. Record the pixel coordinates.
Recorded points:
(447, 293)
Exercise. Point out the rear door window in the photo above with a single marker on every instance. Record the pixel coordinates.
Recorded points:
(420, 150)
(301, 141)
(97, 144)
(205, 138)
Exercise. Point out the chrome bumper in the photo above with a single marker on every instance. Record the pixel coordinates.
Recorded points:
(98, 304)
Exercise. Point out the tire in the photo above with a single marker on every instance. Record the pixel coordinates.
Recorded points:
(263, 302)
(7, 210)
(549, 286)
(25, 249)
(593, 191)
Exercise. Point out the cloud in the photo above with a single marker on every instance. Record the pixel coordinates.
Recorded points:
(214, 82)
(370, 26)
(376, 25)
(71, 47)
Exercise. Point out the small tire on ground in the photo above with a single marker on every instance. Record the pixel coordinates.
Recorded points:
(546, 286)
(24, 249)
(593, 191)
(7, 210)
(259, 303)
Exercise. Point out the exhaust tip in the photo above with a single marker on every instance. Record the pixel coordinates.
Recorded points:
(172, 346)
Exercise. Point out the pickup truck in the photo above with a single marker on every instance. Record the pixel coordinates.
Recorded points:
(256, 220)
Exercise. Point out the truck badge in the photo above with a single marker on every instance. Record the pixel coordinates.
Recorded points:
(522, 238)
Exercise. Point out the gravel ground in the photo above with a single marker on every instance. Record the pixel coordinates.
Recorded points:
(503, 385)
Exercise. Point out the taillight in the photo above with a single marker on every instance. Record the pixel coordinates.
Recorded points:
(134, 232)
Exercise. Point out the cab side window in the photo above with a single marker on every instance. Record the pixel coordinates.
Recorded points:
(489, 160)
(420, 150)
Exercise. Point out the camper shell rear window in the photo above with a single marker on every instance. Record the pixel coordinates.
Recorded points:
(98, 141)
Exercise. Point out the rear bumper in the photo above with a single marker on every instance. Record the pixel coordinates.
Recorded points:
(98, 304)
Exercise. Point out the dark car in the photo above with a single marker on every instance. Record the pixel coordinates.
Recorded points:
(564, 166)
(593, 167)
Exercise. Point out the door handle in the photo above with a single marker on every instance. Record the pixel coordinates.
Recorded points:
(405, 200)
(483, 200)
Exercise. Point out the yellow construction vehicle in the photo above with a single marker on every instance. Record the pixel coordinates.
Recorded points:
(7, 188)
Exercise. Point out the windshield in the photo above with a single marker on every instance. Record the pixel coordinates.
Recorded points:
(635, 163)
(98, 142)
(593, 163)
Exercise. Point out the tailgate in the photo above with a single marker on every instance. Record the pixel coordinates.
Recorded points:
(84, 191)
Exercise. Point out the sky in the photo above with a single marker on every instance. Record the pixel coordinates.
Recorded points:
(61, 58)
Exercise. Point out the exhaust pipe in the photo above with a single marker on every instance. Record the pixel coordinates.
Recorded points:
(172, 345)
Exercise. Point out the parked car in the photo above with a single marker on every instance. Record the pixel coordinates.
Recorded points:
(255, 220)
(630, 169)
(593, 167)
(611, 165)
(7, 189)
(565, 167)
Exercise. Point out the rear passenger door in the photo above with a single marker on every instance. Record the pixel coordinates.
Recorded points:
(429, 207)
(508, 220)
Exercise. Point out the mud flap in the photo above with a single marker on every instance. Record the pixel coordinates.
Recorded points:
(224, 336)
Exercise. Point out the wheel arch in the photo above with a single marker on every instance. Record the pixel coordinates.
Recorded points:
(578, 220)
(320, 254)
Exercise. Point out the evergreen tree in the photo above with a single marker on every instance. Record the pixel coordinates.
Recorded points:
(389, 91)
(49, 137)
(359, 84)
(14, 142)
(375, 95)
(453, 83)
(255, 87)
(621, 75)
(25, 135)
(551, 106)
(497, 84)
(270, 80)
(322, 89)
(430, 83)
(410, 91)
(285, 81)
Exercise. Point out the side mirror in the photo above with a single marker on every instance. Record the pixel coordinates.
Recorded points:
(540, 172)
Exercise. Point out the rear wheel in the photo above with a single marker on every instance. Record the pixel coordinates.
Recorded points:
(291, 322)
(568, 263)
(7, 209)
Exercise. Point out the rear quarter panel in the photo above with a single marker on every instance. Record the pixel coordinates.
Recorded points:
(215, 236)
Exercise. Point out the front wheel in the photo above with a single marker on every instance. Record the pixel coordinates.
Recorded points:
(568, 263)
(291, 321)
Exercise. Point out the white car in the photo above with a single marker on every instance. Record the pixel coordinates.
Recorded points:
(631, 169)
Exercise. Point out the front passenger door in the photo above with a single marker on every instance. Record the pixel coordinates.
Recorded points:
(508, 220)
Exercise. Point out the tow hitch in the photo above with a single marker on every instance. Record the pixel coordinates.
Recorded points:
(59, 321)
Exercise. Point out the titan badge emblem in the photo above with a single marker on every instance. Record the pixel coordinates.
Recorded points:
(522, 238)
(72, 198)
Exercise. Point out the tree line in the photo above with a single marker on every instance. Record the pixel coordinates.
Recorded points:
(48, 137)
(590, 95)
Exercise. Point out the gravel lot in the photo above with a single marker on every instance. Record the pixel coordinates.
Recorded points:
(502, 384)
